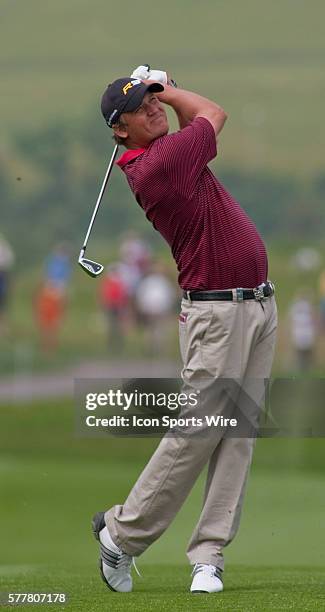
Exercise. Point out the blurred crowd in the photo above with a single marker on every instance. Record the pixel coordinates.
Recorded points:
(138, 299)
(136, 292)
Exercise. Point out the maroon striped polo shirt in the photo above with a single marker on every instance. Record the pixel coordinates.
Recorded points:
(213, 241)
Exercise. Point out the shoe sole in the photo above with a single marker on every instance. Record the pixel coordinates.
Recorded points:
(207, 592)
(97, 524)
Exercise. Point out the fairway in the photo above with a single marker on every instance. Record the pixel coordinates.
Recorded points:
(52, 482)
(247, 589)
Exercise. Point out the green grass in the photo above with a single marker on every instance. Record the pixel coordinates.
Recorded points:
(262, 61)
(164, 588)
(53, 481)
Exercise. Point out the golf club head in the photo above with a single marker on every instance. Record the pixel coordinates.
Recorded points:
(91, 267)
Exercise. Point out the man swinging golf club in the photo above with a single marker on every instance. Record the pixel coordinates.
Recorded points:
(227, 323)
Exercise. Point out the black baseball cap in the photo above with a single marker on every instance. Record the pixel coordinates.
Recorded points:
(124, 96)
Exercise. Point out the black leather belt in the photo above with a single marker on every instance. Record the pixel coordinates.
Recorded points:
(259, 293)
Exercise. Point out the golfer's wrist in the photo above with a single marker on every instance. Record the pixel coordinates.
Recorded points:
(171, 95)
(186, 103)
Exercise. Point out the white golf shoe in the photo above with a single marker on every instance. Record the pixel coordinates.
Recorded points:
(206, 579)
(114, 564)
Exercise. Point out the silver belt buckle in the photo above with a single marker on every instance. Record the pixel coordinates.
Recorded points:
(258, 293)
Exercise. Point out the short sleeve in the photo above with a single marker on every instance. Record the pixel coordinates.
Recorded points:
(185, 154)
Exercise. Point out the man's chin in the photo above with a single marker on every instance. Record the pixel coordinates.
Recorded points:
(163, 130)
(160, 131)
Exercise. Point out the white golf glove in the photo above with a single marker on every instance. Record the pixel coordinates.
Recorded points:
(144, 72)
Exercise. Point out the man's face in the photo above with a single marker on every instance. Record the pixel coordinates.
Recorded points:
(145, 124)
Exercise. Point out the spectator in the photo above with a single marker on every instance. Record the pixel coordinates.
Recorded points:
(6, 263)
(136, 253)
(155, 298)
(49, 309)
(114, 299)
(303, 331)
(58, 268)
(322, 299)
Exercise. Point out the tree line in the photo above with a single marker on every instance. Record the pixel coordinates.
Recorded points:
(50, 181)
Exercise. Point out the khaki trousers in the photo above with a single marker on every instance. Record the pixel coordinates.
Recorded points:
(232, 340)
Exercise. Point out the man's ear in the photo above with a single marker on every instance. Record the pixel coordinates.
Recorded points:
(120, 130)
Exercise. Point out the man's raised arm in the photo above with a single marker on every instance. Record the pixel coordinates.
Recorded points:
(188, 105)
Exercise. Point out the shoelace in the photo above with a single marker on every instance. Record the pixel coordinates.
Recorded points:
(117, 560)
(126, 561)
(135, 567)
(203, 567)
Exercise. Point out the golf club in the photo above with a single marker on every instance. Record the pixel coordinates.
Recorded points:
(92, 267)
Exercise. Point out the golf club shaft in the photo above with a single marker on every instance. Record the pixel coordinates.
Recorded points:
(99, 199)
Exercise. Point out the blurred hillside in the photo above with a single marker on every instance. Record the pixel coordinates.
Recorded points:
(53, 185)
(263, 62)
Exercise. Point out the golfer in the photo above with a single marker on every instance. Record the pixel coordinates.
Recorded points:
(227, 323)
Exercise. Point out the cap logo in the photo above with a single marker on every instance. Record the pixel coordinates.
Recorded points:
(111, 117)
(129, 85)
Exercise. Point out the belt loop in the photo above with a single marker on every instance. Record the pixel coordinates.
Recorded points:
(188, 293)
(239, 294)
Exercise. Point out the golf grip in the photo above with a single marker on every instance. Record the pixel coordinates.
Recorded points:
(101, 193)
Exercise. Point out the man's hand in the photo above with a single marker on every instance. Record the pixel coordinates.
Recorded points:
(145, 73)
(141, 72)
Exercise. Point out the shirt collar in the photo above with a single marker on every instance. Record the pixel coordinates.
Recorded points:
(129, 156)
